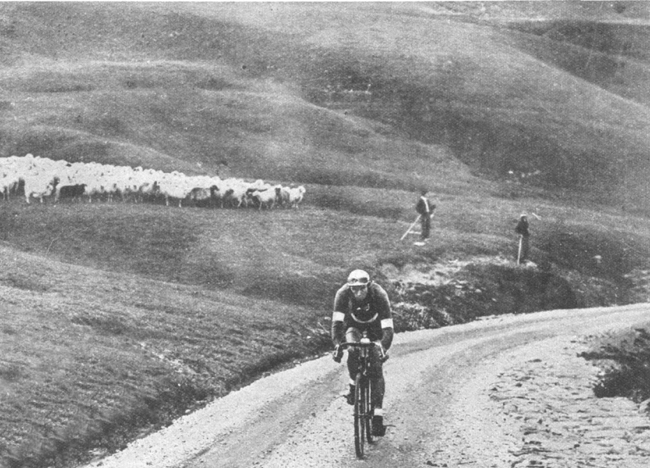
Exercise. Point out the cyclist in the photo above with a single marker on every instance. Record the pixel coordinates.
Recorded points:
(362, 305)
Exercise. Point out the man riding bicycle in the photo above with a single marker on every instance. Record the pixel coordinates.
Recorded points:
(362, 305)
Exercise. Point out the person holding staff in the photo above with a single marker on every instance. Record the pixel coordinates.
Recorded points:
(425, 210)
(524, 239)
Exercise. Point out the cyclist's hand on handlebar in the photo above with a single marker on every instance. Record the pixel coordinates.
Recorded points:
(383, 355)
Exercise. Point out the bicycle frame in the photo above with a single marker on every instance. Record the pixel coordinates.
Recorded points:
(363, 409)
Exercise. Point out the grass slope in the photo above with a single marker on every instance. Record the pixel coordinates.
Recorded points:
(122, 315)
(87, 355)
(492, 96)
(117, 317)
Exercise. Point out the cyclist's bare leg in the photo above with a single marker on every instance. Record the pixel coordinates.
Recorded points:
(377, 377)
(378, 385)
(352, 335)
(378, 389)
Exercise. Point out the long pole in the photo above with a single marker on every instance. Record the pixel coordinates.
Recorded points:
(410, 227)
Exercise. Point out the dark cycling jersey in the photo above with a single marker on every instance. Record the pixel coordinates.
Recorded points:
(372, 314)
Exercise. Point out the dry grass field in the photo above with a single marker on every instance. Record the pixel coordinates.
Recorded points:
(117, 317)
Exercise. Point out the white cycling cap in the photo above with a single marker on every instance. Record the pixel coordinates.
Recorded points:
(358, 277)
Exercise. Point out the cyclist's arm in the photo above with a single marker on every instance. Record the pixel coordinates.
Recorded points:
(338, 328)
(338, 319)
(386, 317)
(387, 335)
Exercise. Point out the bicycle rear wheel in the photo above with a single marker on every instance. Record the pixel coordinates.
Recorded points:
(359, 415)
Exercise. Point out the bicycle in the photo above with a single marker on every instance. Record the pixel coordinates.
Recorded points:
(363, 408)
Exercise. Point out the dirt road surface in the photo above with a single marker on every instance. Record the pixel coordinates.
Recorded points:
(508, 391)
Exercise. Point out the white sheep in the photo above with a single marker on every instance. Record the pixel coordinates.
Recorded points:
(264, 198)
(174, 186)
(234, 190)
(295, 196)
(38, 186)
(8, 182)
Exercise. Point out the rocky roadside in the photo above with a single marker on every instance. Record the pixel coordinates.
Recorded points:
(539, 407)
(550, 405)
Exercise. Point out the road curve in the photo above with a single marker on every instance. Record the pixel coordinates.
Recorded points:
(440, 402)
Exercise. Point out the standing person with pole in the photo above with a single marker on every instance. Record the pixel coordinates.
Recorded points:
(524, 239)
(425, 210)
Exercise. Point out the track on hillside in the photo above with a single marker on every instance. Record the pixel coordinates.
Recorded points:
(435, 402)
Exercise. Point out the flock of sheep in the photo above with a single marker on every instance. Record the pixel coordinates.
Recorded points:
(42, 177)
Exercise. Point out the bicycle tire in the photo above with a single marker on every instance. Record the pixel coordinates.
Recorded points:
(367, 411)
(359, 416)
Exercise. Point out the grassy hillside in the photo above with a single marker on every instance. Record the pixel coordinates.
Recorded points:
(120, 316)
(243, 80)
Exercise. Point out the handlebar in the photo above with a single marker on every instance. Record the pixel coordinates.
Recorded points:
(338, 352)
(358, 344)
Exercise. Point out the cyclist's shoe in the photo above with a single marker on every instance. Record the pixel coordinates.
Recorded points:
(378, 428)
(350, 396)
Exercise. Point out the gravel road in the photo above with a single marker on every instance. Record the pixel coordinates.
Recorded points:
(509, 391)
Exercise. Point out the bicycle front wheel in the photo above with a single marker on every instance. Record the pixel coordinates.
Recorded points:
(360, 419)
(367, 410)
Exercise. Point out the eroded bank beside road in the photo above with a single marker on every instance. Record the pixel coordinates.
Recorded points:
(449, 292)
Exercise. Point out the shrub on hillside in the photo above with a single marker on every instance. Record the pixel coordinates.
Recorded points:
(626, 367)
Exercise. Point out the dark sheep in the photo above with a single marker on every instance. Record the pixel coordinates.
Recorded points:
(72, 191)
(215, 196)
